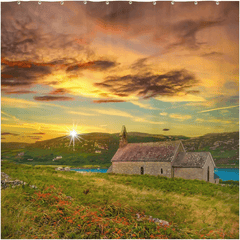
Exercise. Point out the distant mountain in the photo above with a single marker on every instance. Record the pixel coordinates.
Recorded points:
(99, 148)
(90, 142)
(14, 145)
(224, 147)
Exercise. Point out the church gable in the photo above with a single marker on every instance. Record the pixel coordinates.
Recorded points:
(191, 159)
(147, 152)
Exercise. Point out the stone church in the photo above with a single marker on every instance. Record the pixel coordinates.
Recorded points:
(167, 159)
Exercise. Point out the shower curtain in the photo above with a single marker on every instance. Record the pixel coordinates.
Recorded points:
(147, 88)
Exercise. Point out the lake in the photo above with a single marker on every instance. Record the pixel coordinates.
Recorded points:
(227, 173)
(223, 173)
(95, 170)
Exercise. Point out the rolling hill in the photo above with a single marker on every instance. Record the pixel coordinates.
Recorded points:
(99, 148)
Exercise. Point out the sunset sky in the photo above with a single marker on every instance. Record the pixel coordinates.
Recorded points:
(163, 69)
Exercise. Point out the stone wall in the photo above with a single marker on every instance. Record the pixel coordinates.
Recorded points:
(188, 173)
(209, 164)
(110, 169)
(151, 168)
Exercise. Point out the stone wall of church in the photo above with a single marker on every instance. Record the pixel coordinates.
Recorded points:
(209, 164)
(188, 173)
(151, 168)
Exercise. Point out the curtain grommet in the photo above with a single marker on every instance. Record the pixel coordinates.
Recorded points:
(195, 2)
(130, 2)
(172, 2)
(18, 2)
(107, 2)
(217, 2)
(62, 2)
(154, 3)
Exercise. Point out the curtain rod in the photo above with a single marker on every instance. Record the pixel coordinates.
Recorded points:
(175, 1)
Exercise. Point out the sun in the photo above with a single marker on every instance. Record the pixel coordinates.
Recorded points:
(73, 133)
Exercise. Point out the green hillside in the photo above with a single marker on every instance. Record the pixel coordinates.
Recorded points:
(224, 147)
(97, 149)
(67, 205)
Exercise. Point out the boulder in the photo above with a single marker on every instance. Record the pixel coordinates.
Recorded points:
(8, 182)
(155, 220)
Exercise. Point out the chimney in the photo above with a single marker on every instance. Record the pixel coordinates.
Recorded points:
(123, 137)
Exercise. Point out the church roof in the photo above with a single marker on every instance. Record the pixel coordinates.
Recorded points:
(191, 159)
(147, 152)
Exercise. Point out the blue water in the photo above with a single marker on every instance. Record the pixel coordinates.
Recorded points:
(90, 170)
(227, 173)
(223, 173)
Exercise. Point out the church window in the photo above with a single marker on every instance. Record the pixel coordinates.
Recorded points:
(161, 171)
(142, 171)
(208, 174)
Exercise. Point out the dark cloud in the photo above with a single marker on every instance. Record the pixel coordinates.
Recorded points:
(156, 21)
(185, 32)
(150, 85)
(141, 65)
(24, 37)
(53, 98)
(99, 65)
(108, 101)
(118, 12)
(17, 73)
(193, 92)
(36, 138)
(212, 54)
(20, 92)
(40, 133)
(8, 133)
(166, 129)
(59, 91)
(27, 36)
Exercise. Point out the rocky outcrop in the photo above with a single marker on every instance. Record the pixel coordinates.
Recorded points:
(7, 182)
(63, 169)
(156, 220)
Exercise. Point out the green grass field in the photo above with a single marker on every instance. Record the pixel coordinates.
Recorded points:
(97, 205)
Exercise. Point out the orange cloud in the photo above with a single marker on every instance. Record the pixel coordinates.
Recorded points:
(108, 101)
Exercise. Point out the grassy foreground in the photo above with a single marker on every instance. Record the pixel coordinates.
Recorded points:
(97, 205)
